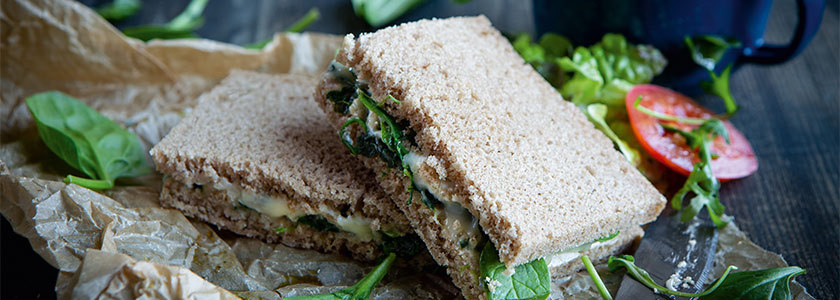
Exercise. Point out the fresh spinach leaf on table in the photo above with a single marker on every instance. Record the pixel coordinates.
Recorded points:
(182, 26)
(86, 140)
(530, 281)
(119, 9)
(359, 291)
(772, 284)
(299, 26)
(381, 12)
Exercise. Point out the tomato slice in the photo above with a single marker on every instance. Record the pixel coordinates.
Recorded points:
(733, 160)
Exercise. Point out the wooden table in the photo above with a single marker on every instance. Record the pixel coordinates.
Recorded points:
(790, 113)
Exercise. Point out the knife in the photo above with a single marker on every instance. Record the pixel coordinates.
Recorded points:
(671, 248)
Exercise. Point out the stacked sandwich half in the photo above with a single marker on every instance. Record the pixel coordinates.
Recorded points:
(500, 177)
(436, 124)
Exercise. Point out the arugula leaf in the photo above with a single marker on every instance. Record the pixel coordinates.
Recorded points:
(182, 26)
(119, 9)
(707, 51)
(381, 12)
(602, 289)
(762, 284)
(299, 26)
(627, 261)
(596, 113)
(701, 181)
(86, 140)
(530, 281)
(720, 86)
(359, 291)
(692, 121)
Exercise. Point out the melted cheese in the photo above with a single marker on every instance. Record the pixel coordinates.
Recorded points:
(278, 207)
(459, 223)
(566, 256)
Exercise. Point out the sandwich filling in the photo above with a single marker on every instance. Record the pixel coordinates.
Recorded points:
(393, 142)
(323, 219)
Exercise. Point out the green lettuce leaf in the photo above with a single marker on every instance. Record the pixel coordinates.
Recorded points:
(530, 281)
(606, 71)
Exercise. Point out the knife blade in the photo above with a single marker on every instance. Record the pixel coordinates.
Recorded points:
(670, 248)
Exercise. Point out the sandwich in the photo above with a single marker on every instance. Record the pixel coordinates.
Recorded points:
(257, 157)
(501, 178)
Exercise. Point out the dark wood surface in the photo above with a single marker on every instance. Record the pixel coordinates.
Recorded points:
(790, 113)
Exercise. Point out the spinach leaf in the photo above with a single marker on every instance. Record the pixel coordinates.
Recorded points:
(86, 140)
(318, 223)
(403, 246)
(381, 12)
(389, 143)
(342, 99)
(359, 291)
(310, 17)
(762, 284)
(530, 281)
(627, 261)
(119, 9)
(707, 51)
(182, 26)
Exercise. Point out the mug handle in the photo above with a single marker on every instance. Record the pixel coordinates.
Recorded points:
(810, 15)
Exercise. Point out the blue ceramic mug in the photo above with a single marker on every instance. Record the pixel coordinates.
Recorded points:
(664, 24)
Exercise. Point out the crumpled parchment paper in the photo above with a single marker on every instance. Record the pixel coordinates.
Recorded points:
(120, 243)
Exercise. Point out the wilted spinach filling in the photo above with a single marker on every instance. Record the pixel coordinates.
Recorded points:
(318, 223)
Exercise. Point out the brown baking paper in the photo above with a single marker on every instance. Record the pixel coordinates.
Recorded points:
(120, 243)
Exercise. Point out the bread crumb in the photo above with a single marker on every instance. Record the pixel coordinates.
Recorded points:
(492, 284)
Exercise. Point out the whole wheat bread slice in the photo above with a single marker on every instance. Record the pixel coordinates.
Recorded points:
(503, 143)
(264, 133)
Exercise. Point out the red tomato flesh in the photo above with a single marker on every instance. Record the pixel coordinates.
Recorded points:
(734, 160)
